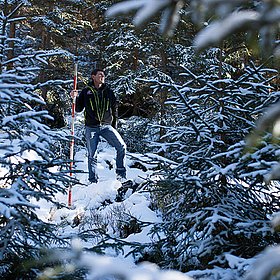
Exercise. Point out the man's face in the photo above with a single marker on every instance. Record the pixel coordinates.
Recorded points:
(99, 78)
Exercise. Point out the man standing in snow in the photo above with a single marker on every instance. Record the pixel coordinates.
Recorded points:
(100, 110)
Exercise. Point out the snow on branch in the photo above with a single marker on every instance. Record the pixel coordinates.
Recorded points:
(101, 266)
(16, 19)
(268, 122)
(266, 266)
(219, 30)
(125, 7)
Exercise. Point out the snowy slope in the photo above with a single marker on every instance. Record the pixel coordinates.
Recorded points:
(94, 208)
(86, 197)
(94, 205)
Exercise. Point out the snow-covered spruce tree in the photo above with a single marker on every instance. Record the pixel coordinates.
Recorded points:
(129, 54)
(59, 25)
(214, 199)
(30, 171)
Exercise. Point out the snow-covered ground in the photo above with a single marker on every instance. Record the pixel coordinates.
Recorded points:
(98, 201)
(87, 197)
(95, 205)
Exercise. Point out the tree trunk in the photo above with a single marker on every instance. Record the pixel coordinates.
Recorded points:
(3, 31)
(11, 50)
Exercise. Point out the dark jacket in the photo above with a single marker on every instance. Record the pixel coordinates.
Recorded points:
(100, 106)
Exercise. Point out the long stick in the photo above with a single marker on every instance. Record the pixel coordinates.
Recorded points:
(72, 133)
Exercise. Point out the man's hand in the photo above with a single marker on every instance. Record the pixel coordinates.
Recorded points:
(74, 93)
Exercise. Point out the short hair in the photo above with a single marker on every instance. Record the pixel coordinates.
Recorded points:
(94, 71)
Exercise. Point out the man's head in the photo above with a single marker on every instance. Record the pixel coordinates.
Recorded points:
(98, 77)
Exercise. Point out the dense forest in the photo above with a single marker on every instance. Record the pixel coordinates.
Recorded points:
(197, 84)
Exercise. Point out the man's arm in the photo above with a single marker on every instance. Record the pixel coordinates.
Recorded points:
(80, 104)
